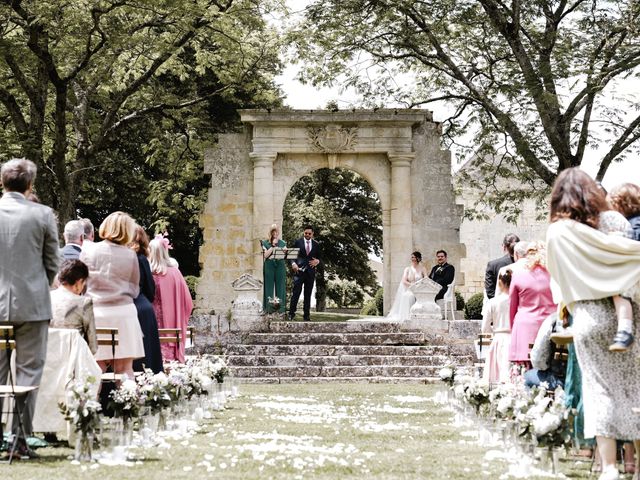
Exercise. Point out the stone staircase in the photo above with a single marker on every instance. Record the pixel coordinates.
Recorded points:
(354, 351)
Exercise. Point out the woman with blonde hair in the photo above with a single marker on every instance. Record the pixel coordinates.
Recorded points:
(274, 273)
(113, 283)
(172, 303)
(530, 303)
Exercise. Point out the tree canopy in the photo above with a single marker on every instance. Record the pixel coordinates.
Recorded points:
(540, 84)
(84, 84)
(347, 219)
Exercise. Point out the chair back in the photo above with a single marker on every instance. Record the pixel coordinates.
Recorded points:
(7, 338)
(450, 293)
(169, 335)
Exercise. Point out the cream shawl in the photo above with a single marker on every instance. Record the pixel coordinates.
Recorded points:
(586, 264)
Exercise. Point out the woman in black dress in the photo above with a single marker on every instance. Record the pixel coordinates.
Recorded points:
(146, 316)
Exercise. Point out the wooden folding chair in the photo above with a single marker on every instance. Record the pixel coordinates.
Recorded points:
(192, 335)
(12, 392)
(170, 335)
(108, 336)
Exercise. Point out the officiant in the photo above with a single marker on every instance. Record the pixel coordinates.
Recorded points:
(274, 273)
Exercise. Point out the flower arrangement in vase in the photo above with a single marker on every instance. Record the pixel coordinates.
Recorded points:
(83, 411)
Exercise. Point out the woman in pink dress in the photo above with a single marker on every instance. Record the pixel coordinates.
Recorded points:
(530, 303)
(172, 302)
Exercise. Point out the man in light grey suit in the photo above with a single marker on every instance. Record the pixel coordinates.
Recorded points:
(73, 235)
(28, 264)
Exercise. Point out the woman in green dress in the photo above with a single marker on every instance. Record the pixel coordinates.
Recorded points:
(275, 271)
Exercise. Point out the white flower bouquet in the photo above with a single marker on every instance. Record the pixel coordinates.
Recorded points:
(547, 419)
(126, 400)
(81, 407)
(448, 374)
(153, 390)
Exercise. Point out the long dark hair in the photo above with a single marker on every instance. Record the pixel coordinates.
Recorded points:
(578, 197)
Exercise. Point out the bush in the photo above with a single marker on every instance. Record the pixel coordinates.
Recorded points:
(473, 308)
(459, 301)
(345, 294)
(192, 283)
(375, 305)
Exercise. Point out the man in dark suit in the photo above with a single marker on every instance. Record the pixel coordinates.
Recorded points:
(442, 273)
(494, 266)
(28, 264)
(73, 237)
(304, 271)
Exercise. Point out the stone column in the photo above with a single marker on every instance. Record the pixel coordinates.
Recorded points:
(400, 235)
(263, 214)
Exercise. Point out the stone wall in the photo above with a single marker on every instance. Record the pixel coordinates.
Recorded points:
(436, 213)
(396, 151)
(226, 222)
(483, 238)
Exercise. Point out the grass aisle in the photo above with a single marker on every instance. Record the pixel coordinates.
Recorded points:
(327, 432)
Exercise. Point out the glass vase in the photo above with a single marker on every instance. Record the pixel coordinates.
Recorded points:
(84, 447)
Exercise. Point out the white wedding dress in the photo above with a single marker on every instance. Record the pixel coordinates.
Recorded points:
(404, 298)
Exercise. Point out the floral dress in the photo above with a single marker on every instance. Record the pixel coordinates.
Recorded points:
(610, 380)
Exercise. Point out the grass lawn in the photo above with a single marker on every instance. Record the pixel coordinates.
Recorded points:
(308, 431)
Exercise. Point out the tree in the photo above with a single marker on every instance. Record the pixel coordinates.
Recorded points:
(76, 77)
(155, 171)
(347, 218)
(535, 82)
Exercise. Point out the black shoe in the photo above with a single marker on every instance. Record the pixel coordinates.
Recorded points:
(621, 342)
(52, 439)
(291, 317)
(307, 319)
(22, 452)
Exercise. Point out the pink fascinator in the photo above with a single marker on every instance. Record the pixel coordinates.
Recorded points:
(163, 238)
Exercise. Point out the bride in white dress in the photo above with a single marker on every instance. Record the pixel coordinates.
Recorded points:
(404, 298)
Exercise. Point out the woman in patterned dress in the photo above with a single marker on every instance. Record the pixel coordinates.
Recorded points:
(590, 267)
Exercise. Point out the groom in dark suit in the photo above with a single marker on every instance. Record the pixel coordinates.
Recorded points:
(304, 271)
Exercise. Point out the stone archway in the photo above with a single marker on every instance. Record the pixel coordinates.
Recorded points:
(396, 151)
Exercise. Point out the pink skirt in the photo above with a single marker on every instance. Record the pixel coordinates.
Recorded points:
(496, 367)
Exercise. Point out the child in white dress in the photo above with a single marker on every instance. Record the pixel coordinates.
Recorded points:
(497, 366)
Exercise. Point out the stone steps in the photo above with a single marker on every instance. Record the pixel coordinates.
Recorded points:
(352, 326)
(301, 350)
(335, 360)
(338, 371)
(358, 351)
(336, 338)
(420, 380)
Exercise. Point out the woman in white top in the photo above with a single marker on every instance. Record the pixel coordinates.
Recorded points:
(114, 278)
(404, 297)
(496, 321)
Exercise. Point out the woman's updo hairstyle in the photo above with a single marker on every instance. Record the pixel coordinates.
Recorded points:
(418, 255)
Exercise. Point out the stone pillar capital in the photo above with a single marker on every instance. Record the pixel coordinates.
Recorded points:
(401, 159)
(263, 159)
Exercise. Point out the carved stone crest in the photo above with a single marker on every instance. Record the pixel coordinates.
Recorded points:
(333, 138)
